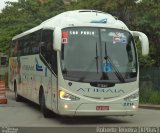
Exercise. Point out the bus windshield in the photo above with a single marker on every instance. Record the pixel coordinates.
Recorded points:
(98, 55)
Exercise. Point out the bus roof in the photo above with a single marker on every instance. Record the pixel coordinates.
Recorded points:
(91, 18)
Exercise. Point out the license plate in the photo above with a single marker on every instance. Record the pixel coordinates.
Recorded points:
(102, 107)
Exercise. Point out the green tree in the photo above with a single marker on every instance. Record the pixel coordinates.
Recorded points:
(147, 20)
(20, 16)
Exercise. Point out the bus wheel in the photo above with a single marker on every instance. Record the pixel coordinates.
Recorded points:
(17, 97)
(44, 110)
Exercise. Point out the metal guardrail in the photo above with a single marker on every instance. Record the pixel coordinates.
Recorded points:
(150, 78)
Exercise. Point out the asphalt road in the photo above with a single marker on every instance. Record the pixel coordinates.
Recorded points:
(26, 114)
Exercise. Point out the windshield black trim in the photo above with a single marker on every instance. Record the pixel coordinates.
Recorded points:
(100, 81)
(105, 81)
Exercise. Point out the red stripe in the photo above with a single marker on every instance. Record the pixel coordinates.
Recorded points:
(64, 34)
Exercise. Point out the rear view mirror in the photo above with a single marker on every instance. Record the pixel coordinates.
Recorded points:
(57, 39)
(144, 42)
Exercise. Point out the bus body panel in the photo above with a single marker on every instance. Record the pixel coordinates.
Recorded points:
(29, 79)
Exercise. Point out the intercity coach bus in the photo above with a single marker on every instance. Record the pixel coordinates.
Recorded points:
(78, 63)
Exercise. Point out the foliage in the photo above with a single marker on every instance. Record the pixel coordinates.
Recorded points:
(147, 20)
(21, 16)
(150, 96)
(145, 61)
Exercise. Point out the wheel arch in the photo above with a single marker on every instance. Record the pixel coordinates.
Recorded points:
(41, 91)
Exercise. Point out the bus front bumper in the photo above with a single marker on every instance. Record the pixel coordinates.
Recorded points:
(91, 110)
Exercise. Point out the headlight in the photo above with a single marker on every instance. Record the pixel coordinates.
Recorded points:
(132, 97)
(66, 96)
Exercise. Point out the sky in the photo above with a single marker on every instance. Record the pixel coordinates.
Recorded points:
(2, 3)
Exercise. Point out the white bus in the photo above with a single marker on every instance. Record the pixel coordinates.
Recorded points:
(78, 63)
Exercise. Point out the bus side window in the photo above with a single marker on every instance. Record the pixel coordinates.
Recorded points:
(12, 48)
(36, 38)
(49, 54)
(15, 50)
(3, 61)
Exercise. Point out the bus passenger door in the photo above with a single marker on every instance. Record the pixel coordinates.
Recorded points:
(49, 58)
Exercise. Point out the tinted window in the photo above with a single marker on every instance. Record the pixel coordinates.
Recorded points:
(27, 45)
(3, 61)
(47, 51)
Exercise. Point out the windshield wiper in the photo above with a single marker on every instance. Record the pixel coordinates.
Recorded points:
(117, 73)
(96, 58)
